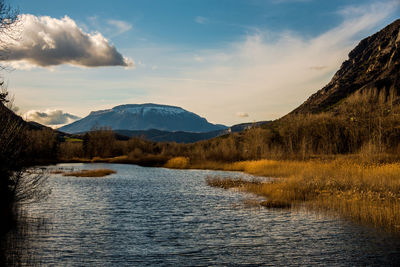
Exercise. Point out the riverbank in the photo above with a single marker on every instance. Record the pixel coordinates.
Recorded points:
(366, 192)
(206, 225)
(362, 192)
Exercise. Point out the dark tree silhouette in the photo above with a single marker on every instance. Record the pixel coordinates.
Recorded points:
(18, 183)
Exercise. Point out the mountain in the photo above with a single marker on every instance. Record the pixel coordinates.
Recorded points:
(136, 117)
(186, 137)
(373, 64)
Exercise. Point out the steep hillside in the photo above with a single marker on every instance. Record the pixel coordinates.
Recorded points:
(8, 116)
(187, 137)
(136, 117)
(373, 64)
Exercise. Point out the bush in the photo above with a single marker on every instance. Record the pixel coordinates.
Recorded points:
(177, 163)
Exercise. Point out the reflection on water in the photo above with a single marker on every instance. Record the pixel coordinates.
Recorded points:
(155, 216)
(15, 241)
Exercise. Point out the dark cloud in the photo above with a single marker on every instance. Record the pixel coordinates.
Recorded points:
(50, 117)
(47, 41)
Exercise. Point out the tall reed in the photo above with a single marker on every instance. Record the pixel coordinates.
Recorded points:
(366, 193)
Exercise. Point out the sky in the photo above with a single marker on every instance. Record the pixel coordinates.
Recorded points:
(230, 61)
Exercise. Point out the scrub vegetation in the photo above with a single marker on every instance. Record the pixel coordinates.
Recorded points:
(343, 161)
(366, 126)
(343, 158)
(367, 193)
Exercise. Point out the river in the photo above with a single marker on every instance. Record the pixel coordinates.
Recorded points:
(156, 216)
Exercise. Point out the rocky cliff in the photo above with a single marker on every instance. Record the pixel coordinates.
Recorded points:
(373, 64)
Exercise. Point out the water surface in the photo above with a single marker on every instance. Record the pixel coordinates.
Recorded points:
(156, 216)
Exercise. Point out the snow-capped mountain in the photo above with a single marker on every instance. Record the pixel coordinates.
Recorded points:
(143, 117)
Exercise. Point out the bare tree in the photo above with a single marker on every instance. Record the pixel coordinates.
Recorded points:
(9, 27)
(3, 94)
(29, 185)
(11, 132)
(18, 184)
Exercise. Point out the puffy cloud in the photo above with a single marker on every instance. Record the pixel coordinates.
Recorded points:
(242, 114)
(50, 117)
(47, 41)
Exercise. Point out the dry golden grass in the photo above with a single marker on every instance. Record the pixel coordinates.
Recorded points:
(100, 160)
(177, 163)
(90, 173)
(119, 159)
(77, 159)
(229, 183)
(248, 186)
(269, 168)
(57, 172)
(366, 193)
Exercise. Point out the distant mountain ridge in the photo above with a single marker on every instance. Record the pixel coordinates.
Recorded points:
(187, 137)
(141, 117)
(373, 64)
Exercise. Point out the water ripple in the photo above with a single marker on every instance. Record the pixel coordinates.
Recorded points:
(155, 216)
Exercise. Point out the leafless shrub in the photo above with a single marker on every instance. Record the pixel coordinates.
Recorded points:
(29, 185)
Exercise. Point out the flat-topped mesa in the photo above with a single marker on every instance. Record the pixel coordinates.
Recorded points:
(141, 109)
(143, 117)
(145, 108)
(373, 64)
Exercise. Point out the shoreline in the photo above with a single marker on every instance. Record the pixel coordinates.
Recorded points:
(365, 193)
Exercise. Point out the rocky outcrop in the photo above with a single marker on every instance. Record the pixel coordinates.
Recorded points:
(373, 64)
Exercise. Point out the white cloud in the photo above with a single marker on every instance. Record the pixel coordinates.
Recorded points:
(50, 117)
(289, 1)
(93, 20)
(201, 20)
(47, 41)
(198, 59)
(266, 77)
(242, 114)
(318, 67)
(120, 26)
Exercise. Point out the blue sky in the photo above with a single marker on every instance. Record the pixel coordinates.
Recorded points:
(229, 61)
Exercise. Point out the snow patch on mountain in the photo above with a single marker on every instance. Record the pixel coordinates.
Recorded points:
(143, 117)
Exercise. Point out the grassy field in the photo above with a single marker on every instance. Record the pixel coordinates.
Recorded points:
(365, 193)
